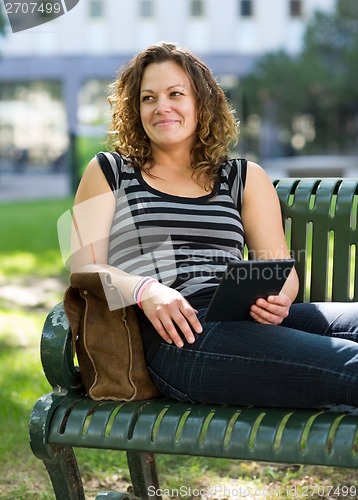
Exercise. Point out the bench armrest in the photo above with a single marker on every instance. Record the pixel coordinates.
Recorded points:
(56, 353)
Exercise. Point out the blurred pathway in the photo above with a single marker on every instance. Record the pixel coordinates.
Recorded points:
(33, 185)
(30, 292)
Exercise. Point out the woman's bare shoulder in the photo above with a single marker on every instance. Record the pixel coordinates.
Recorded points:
(257, 178)
(93, 182)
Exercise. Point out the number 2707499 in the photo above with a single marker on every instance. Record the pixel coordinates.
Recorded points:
(33, 7)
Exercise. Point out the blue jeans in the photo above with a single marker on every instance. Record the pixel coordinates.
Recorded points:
(310, 360)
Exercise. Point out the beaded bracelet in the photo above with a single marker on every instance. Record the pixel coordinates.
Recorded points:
(142, 288)
(137, 287)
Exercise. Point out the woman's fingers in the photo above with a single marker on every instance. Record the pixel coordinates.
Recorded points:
(273, 310)
(171, 314)
(169, 328)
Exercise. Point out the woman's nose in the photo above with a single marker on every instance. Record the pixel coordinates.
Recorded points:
(163, 104)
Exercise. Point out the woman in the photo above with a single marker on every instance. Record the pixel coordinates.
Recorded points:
(167, 211)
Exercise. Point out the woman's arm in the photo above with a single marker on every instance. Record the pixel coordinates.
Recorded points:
(93, 213)
(265, 238)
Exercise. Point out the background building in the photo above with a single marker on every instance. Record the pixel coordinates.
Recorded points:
(211, 27)
(78, 53)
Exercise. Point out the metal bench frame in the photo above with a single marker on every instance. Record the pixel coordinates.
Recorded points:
(320, 221)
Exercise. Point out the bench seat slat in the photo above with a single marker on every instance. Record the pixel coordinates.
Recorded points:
(253, 435)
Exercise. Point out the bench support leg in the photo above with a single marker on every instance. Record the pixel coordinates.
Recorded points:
(65, 477)
(143, 475)
(60, 461)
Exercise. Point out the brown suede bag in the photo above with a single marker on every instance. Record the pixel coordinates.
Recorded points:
(107, 342)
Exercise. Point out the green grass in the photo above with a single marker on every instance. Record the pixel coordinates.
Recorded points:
(29, 251)
(21, 381)
(29, 244)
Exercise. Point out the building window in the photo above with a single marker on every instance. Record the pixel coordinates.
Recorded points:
(246, 8)
(295, 8)
(197, 8)
(96, 8)
(146, 8)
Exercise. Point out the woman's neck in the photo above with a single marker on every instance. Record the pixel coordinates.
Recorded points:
(177, 159)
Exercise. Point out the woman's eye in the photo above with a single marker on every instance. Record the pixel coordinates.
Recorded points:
(147, 98)
(176, 93)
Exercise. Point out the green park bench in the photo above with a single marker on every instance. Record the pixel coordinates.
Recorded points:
(320, 221)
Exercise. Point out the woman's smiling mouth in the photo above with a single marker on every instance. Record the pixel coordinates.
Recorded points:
(165, 122)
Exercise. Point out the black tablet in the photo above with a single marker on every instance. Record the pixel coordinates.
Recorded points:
(243, 283)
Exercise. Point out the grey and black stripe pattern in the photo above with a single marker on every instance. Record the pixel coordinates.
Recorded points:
(186, 243)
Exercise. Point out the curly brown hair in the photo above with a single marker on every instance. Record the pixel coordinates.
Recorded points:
(217, 128)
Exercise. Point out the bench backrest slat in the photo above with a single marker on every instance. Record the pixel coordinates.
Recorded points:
(320, 221)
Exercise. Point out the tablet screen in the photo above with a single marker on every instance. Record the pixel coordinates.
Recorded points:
(243, 283)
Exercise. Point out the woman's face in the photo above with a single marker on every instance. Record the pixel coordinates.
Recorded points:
(168, 106)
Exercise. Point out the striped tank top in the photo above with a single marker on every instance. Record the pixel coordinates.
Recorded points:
(185, 243)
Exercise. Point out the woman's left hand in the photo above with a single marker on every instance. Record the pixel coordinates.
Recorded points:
(271, 311)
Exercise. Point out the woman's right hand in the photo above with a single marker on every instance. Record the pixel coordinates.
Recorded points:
(168, 310)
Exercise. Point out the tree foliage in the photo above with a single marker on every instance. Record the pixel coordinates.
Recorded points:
(319, 83)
